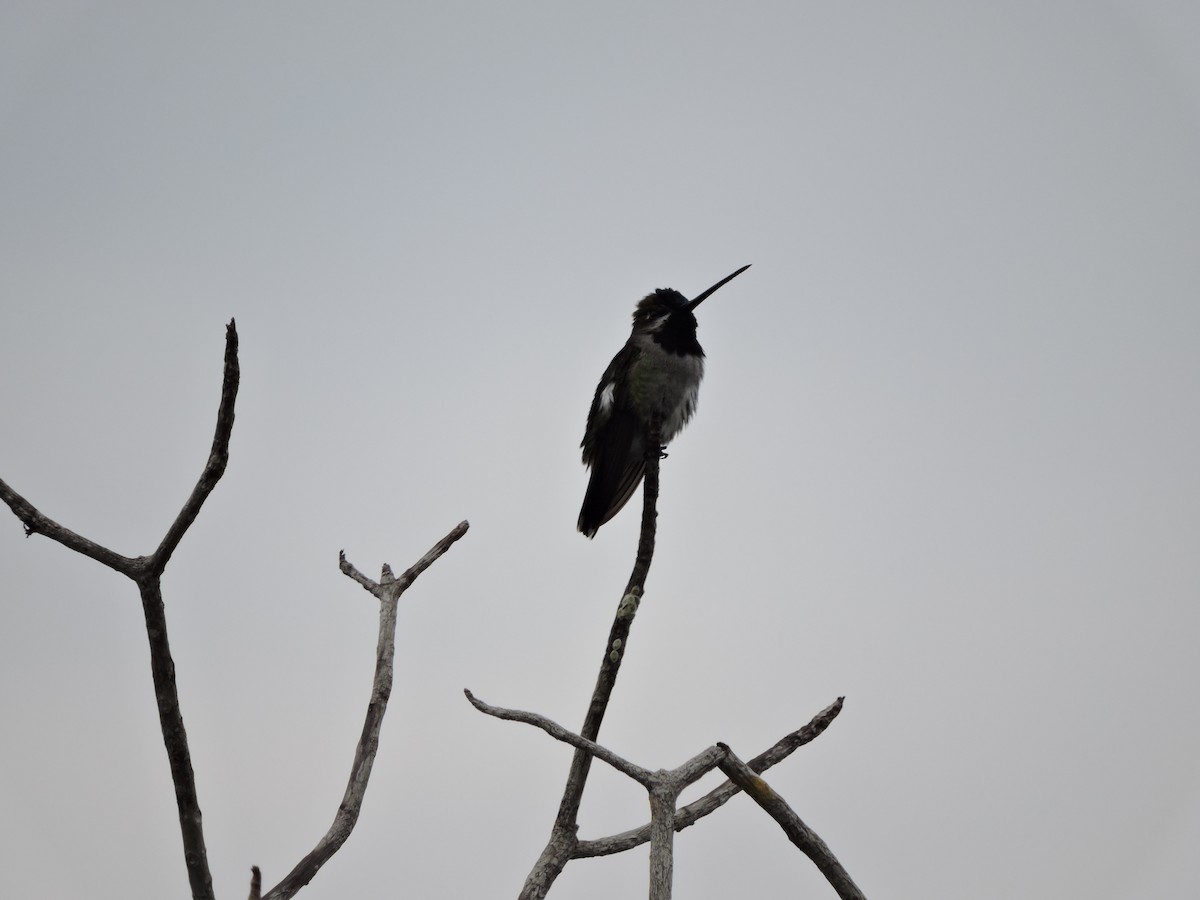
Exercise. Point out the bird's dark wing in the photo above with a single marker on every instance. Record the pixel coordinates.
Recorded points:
(614, 447)
(605, 400)
(617, 469)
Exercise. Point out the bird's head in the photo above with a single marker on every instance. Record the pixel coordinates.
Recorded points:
(667, 312)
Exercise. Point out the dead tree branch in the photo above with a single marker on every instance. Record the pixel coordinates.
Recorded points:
(146, 572)
(387, 591)
(556, 731)
(799, 833)
(564, 833)
(218, 458)
(36, 523)
(718, 796)
(663, 786)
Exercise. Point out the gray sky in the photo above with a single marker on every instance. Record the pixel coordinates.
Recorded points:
(945, 461)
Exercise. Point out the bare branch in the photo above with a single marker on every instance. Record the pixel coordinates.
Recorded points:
(368, 744)
(146, 571)
(351, 572)
(718, 796)
(36, 523)
(664, 796)
(389, 586)
(662, 786)
(162, 666)
(665, 788)
(696, 767)
(563, 835)
(556, 731)
(799, 833)
(411, 573)
(138, 567)
(179, 757)
(662, 840)
(218, 457)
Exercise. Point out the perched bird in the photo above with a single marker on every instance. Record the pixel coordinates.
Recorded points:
(656, 376)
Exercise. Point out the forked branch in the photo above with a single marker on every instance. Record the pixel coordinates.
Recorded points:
(146, 571)
(664, 788)
(718, 796)
(387, 590)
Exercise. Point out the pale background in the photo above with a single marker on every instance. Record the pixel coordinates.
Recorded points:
(946, 463)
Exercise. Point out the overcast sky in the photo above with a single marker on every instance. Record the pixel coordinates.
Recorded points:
(945, 461)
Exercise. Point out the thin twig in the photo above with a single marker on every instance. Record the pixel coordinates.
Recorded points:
(556, 731)
(218, 457)
(388, 592)
(799, 833)
(410, 574)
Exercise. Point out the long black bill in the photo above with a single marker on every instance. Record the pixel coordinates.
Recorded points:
(728, 278)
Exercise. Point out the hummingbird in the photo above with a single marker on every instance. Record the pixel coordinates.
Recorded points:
(655, 377)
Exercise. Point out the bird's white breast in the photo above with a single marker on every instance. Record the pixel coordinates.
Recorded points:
(667, 385)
